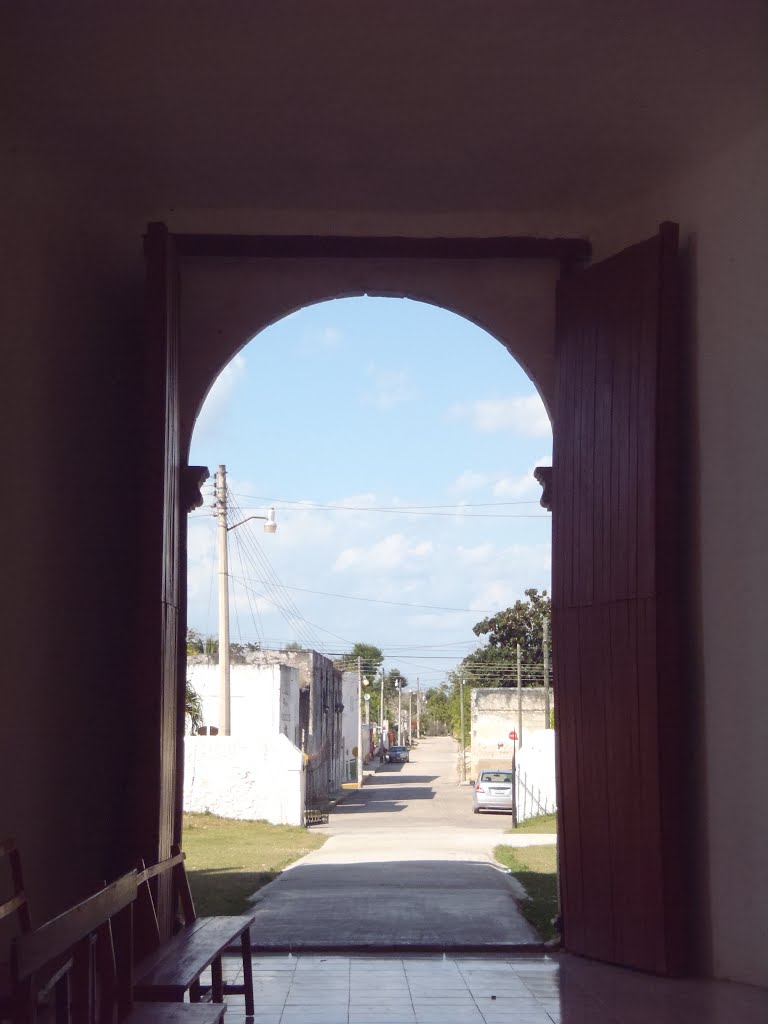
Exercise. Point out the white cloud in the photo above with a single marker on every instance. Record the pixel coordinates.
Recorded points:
(470, 481)
(524, 486)
(388, 553)
(218, 398)
(390, 387)
(519, 415)
(477, 555)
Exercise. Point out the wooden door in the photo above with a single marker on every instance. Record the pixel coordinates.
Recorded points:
(617, 588)
(161, 684)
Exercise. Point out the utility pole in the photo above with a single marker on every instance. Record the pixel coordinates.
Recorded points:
(519, 699)
(381, 708)
(410, 716)
(545, 652)
(463, 754)
(221, 515)
(399, 713)
(270, 526)
(418, 709)
(359, 723)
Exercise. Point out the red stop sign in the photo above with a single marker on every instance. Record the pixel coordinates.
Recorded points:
(513, 735)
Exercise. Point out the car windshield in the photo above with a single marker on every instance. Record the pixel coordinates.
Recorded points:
(398, 750)
(496, 777)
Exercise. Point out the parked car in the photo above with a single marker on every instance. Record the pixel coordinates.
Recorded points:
(399, 754)
(493, 791)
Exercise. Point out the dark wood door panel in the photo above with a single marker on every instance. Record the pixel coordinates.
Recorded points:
(616, 587)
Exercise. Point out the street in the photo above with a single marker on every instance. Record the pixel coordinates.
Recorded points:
(407, 865)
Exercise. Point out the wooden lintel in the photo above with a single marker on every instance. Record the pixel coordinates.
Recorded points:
(567, 251)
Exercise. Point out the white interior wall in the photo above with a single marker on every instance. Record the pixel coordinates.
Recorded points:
(722, 209)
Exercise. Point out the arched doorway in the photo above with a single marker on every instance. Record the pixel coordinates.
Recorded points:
(615, 367)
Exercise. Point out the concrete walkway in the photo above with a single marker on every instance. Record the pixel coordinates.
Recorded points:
(407, 866)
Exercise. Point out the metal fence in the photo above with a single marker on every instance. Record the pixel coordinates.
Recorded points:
(530, 801)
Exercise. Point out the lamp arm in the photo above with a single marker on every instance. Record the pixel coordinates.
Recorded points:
(247, 519)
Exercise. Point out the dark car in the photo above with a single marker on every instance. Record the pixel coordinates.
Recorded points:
(398, 754)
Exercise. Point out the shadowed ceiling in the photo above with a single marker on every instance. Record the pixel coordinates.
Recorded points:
(425, 104)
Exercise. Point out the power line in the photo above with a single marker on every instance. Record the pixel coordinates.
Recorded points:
(399, 604)
(305, 504)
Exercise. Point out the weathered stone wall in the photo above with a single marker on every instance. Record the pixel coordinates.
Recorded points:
(494, 714)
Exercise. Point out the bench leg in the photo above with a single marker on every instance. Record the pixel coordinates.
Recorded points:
(195, 992)
(245, 940)
(217, 981)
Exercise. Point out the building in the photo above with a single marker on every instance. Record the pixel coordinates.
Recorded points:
(459, 154)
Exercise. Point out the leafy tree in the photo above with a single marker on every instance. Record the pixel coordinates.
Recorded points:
(194, 642)
(193, 707)
(370, 657)
(495, 663)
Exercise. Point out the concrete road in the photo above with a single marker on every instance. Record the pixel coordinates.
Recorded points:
(407, 865)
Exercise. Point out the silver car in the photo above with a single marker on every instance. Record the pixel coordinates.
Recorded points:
(493, 791)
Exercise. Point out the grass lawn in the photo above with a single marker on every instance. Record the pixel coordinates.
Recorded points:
(544, 824)
(228, 861)
(535, 867)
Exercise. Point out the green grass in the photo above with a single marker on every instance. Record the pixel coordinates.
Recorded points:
(544, 824)
(535, 867)
(228, 861)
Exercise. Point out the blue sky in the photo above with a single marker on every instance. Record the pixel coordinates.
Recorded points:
(372, 404)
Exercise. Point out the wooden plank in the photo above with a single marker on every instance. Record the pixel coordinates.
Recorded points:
(157, 869)
(179, 961)
(235, 247)
(162, 505)
(56, 937)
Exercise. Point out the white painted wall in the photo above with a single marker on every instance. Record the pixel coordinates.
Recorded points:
(536, 786)
(351, 714)
(493, 715)
(234, 778)
(264, 699)
(722, 208)
(257, 772)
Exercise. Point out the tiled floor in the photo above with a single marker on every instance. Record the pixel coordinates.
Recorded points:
(472, 990)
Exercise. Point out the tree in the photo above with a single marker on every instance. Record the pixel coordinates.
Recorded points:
(193, 707)
(370, 657)
(495, 663)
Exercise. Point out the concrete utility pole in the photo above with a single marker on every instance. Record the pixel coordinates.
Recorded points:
(418, 708)
(270, 526)
(463, 754)
(545, 652)
(410, 715)
(519, 699)
(381, 708)
(359, 723)
(399, 713)
(224, 679)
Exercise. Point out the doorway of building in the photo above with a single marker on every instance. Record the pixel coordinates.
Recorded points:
(616, 367)
(394, 445)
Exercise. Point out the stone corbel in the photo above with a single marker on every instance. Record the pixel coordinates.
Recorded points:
(192, 479)
(543, 475)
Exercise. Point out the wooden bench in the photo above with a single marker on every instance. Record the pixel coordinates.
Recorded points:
(169, 969)
(94, 939)
(14, 906)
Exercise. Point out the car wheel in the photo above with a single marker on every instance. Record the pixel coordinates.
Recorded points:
(475, 810)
